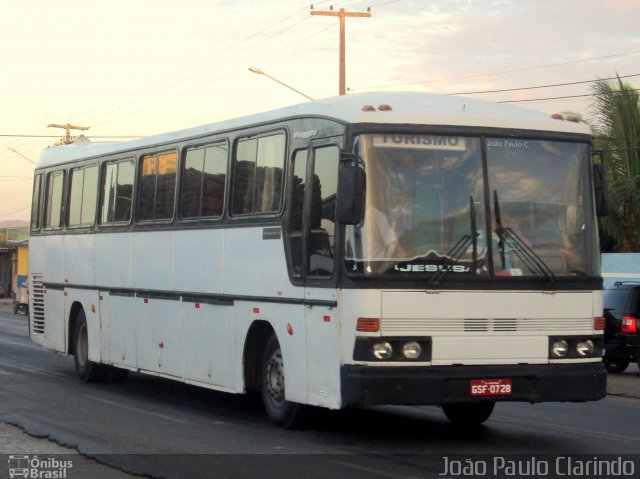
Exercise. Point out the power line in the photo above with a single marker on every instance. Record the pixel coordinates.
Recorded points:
(3, 215)
(543, 86)
(559, 97)
(551, 65)
(504, 90)
(225, 50)
(196, 64)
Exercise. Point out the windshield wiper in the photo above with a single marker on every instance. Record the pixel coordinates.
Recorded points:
(523, 251)
(458, 249)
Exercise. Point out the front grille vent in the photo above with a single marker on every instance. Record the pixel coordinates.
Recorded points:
(476, 324)
(505, 324)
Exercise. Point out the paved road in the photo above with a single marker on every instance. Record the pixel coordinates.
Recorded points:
(164, 429)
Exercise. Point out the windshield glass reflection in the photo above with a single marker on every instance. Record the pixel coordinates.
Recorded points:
(426, 211)
(418, 204)
(538, 191)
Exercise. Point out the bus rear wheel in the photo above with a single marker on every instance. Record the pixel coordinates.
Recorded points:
(281, 412)
(472, 414)
(86, 370)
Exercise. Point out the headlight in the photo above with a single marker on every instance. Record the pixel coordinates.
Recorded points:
(411, 350)
(585, 348)
(382, 350)
(559, 348)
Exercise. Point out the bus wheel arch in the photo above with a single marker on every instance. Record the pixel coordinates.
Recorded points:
(87, 370)
(73, 316)
(255, 342)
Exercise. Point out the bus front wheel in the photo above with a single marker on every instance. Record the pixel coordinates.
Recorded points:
(281, 412)
(616, 365)
(468, 414)
(87, 370)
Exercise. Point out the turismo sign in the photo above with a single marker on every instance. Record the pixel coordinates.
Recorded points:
(420, 142)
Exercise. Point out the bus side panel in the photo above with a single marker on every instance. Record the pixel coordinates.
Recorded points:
(159, 336)
(53, 260)
(78, 259)
(54, 310)
(199, 260)
(323, 352)
(209, 349)
(113, 259)
(36, 254)
(55, 337)
(119, 326)
(152, 260)
(292, 344)
(255, 264)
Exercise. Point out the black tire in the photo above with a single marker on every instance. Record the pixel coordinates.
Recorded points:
(281, 412)
(472, 414)
(86, 370)
(615, 365)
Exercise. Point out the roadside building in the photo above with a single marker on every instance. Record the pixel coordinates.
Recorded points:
(14, 259)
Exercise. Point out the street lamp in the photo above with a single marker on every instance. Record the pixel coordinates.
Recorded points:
(257, 71)
(18, 153)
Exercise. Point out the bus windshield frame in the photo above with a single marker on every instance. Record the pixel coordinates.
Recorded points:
(432, 201)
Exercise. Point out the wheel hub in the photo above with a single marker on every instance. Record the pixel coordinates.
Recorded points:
(275, 378)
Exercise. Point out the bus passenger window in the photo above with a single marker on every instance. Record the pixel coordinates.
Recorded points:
(55, 190)
(82, 198)
(35, 203)
(157, 186)
(116, 192)
(203, 181)
(258, 170)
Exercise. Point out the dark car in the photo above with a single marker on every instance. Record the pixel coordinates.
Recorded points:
(622, 325)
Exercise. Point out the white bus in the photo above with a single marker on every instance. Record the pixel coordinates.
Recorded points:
(388, 248)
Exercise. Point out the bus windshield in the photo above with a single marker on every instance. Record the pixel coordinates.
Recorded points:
(503, 207)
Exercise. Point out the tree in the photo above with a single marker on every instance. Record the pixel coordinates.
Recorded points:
(616, 124)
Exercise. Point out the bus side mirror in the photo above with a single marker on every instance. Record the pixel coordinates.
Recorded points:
(600, 188)
(350, 202)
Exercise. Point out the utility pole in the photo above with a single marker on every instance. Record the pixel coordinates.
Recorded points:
(68, 129)
(343, 14)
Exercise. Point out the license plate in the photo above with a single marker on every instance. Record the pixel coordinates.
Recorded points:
(490, 387)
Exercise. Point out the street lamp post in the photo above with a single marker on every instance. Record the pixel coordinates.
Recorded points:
(20, 154)
(257, 71)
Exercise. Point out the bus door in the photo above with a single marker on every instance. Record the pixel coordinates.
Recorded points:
(312, 239)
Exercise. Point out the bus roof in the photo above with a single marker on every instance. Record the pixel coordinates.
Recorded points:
(404, 108)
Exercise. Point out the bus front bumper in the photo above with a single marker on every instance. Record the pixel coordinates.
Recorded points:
(369, 385)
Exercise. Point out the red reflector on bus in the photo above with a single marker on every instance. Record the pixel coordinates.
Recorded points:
(598, 323)
(368, 325)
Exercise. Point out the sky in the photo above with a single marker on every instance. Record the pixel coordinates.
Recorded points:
(130, 68)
